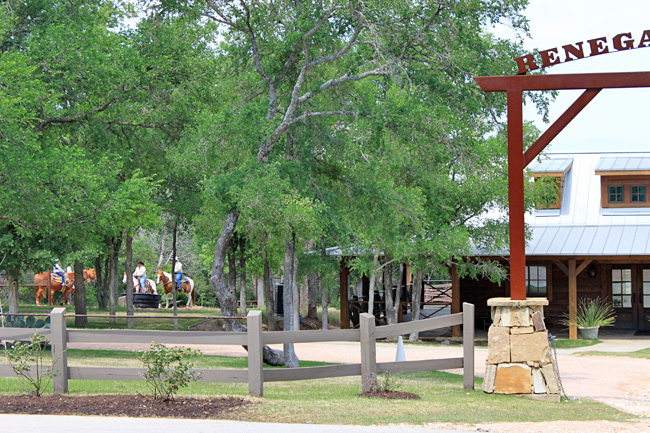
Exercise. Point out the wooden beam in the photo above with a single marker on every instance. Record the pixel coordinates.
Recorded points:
(583, 265)
(516, 196)
(562, 266)
(615, 80)
(559, 125)
(573, 299)
(343, 294)
(455, 299)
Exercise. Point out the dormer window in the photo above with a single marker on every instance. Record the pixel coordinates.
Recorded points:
(556, 168)
(624, 181)
(637, 193)
(616, 194)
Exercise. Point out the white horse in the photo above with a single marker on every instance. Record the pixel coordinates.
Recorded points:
(150, 285)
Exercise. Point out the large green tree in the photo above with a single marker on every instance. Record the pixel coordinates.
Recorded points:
(321, 93)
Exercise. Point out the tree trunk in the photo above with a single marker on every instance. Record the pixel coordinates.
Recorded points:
(100, 287)
(416, 298)
(242, 279)
(113, 251)
(304, 296)
(389, 300)
(232, 270)
(128, 266)
(290, 357)
(259, 291)
(12, 286)
(393, 303)
(313, 282)
(269, 292)
(373, 283)
(295, 290)
(324, 294)
(161, 255)
(174, 283)
(358, 288)
(80, 296)
(309, 290)
(398, 293)
(226, 298)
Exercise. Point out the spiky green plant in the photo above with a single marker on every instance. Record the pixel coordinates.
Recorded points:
(591, 313)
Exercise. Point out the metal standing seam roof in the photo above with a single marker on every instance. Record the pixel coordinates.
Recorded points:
(554, 165)
(623, 163)
(613, 240)
(582, 227)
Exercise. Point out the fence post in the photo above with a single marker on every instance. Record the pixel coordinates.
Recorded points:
(59, 339)
(255, 343)
(368, 351)
(468, 345)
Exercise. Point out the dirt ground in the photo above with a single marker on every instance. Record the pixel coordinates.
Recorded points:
(621, 382)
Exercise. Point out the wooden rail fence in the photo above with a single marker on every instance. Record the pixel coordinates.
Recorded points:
(256, 375)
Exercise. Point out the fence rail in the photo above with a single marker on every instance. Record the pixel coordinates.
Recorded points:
(255, 340)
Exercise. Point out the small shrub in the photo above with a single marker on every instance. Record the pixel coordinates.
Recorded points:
(168, 369)
(28, 362)
(389, 383)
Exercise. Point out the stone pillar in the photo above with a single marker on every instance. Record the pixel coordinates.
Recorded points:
(519, 361)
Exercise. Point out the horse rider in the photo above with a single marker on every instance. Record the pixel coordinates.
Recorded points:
(141, 274)
(178, 273)
(59, 271)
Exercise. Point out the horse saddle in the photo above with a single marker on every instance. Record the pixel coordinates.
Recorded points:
(184, 279)
(56, 278)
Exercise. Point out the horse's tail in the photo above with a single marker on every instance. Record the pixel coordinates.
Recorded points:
(193, 292)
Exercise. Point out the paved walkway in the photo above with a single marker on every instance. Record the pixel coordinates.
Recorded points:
(67, 424)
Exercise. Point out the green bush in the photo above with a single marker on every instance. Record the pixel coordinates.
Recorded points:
(167, 369)
(28, 362)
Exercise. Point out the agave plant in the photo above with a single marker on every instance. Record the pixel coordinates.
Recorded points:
(592, 313)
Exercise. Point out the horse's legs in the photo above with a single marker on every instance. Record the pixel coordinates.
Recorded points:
(189, 296)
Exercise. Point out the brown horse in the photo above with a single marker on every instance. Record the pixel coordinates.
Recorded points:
(44, 280)
(187, 284)
(90, 276)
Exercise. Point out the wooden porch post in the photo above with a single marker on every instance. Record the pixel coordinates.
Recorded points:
(573, 299)
(343, 294)
(455, 299)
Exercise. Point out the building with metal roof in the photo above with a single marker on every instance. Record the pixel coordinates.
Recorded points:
(593, 242)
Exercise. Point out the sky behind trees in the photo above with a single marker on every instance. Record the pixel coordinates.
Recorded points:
(616, 119)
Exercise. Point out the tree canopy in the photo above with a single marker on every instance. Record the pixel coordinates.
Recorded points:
(347, 123)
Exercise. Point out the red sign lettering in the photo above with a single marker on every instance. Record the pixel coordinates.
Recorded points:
(597, 46)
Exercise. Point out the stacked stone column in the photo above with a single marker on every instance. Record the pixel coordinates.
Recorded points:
(519, 361)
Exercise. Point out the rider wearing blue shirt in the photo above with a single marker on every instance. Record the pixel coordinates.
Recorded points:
(59, 271)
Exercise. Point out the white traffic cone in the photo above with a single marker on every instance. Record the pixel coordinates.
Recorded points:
(400, 355)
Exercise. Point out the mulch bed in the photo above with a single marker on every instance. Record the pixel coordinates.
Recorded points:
(129, 405)
(391, 395)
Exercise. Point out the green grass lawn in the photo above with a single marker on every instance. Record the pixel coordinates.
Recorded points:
(337, 400)
(143, 318)
(334, 400)
(575, 344)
